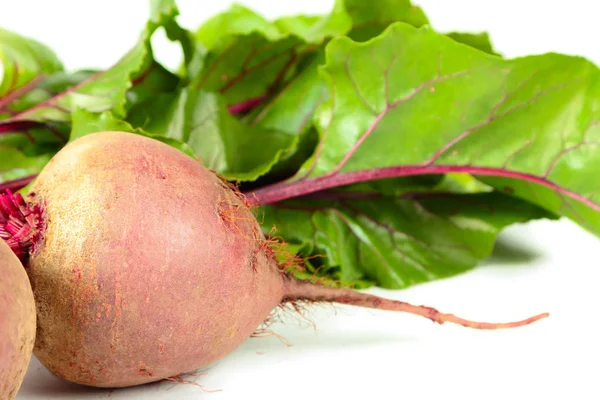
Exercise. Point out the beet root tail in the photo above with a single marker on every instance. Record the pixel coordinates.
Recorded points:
(296, 290)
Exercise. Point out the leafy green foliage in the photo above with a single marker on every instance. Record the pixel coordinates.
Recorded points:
(46, 87)
(436, 106)
(43, 106)
(202, 121)
(29, 68)
(290, 109)
(24, 62)
(382, 151)
(153, 81)
(16, 165)
(397, 241)
(249, 57)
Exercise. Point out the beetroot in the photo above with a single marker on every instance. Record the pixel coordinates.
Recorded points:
(145, 265)
(17, 314)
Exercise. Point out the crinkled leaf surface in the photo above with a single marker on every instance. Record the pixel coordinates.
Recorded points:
(242, 21)
(248, 57)
(528, 126)
(201, 120)
(306, 89)
(396, 241)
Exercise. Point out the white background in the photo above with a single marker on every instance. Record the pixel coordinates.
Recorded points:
(353, 353)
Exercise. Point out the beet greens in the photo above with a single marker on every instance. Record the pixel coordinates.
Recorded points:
(364, 135)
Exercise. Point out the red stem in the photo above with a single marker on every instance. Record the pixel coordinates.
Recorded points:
(18, 125)
(23, 125)
(16, 184)
(284, 191)
(246, 105)
(15, 94)
(58, 96)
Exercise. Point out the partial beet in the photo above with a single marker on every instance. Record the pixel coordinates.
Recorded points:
(17, 317)
(146, 265)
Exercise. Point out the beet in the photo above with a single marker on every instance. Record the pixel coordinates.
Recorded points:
(146, 265)
(17, 313)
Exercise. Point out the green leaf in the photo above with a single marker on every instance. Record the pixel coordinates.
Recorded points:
(248, 57)
(164, 13)
(154, 81)
(47, 124)
(371, 18)
(102, 91)
(242, 21)
(23, 62)
(202, 121)
(35, 138)
(237, 20)
(290, 110)
(528, 126)
(47, 87)
(15, 166)
(396, 242)
(86, 122)
(480, 41)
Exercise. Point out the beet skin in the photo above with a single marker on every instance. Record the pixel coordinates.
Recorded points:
(17, 322)
(149, 267)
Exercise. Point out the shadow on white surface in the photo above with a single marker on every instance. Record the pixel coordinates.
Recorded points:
(511, 252)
